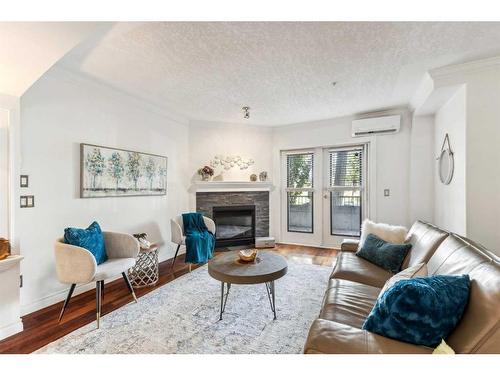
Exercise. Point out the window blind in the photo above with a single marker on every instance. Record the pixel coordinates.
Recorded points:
(300, 169)
(346, 167)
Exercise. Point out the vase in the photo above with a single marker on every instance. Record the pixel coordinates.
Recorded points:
(205, 177)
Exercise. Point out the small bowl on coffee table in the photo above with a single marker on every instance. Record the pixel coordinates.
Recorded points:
(247, 256)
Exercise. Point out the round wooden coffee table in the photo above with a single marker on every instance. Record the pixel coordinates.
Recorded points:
(229, 269)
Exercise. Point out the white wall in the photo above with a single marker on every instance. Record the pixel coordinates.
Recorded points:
(58, 112)
(4, 173)
(10, 155)
(207, 139)
(10, 322)
(422, 165)
(390, 157)
(450, 200)
(482, 136)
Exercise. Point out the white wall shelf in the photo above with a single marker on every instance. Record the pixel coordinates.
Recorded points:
(222, 186)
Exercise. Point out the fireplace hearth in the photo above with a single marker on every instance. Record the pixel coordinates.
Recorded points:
(235, 225)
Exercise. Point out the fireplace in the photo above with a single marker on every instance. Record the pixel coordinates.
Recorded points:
(235, 225)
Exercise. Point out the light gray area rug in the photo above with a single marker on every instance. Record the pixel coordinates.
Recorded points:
(183, 317)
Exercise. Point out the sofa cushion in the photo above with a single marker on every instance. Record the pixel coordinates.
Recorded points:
(113, 267)
(424, 239)
(420, 311)
(348, 302)
(479, 329)
(387, 255)
(456, 256)
(353, 268)
(418, 270)
(330, 337)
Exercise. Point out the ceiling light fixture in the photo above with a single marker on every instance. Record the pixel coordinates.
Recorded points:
(334, 83)
(246, 112)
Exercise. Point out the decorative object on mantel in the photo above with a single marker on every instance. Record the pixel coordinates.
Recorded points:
(112, 172)
(263, 176)
(143, 242)
(228, 162)
(446, 161)
(206, 172)
(4, 248)
(248, 256)
(253, 177)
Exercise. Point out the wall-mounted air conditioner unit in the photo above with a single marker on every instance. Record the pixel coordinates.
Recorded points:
(376, 125)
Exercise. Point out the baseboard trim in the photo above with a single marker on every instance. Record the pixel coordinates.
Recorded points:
(308, 245)
(60, 296)
(11, 329)
(56, 297)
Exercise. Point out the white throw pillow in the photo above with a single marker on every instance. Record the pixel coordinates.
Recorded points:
(418, 270)
(389, 233)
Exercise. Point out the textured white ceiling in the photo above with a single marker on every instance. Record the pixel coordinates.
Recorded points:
(282, 70)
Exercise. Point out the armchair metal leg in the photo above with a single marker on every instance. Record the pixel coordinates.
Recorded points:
(102, 290)
(129, 286)
(66, 301)
(98, 302)
(175, 256)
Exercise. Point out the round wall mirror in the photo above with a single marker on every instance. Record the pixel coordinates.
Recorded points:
(446, 163)
(446, 166)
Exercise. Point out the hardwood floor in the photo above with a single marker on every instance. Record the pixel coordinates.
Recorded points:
(41, 327)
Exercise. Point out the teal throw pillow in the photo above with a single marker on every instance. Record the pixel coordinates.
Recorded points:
(421, 311)
(91, 239)
(387, 255)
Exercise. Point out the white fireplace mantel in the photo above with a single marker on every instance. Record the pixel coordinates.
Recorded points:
(222, 186)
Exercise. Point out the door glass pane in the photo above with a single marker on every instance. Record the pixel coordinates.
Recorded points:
(300, 211)
(345, 212)
(300, 170)
(345, 168)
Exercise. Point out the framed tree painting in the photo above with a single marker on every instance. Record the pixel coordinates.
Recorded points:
(111, 172)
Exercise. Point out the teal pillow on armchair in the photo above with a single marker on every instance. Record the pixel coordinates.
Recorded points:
(421, 311)
(91, 239)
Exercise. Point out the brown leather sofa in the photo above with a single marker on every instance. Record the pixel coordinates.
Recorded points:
(355, 284)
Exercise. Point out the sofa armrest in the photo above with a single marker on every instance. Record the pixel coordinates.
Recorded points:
(328, 337)
(121, 245)
(349, 245)
(74, 264)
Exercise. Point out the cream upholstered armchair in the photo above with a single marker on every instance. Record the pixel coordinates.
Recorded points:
(177, 232)
(76, 265)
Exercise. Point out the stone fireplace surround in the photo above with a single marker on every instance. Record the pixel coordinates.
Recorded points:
(205, 201)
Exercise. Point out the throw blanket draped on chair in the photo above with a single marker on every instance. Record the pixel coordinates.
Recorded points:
(200, 242)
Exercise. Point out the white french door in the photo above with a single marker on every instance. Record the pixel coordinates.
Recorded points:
(344, 193)
(324, 194)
